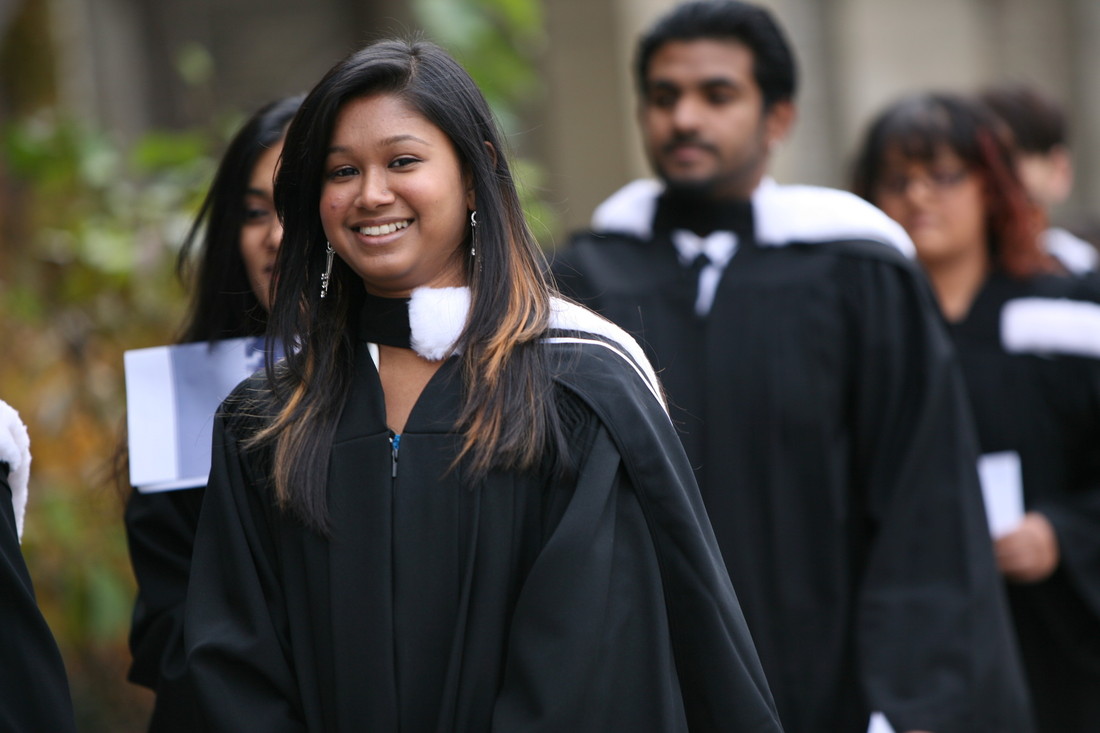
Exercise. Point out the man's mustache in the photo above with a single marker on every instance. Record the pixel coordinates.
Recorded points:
(681, 141)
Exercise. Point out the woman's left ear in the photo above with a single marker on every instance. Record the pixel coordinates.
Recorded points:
(492, 152)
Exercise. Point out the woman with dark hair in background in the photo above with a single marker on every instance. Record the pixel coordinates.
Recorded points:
(236, 235)
(1028, 337)
(458, 504)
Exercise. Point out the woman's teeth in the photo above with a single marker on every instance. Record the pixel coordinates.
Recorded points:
(384, 228)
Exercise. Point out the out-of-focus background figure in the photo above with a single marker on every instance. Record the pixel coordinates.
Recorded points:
(229, 255)
(1028, 338)
(1044, 163)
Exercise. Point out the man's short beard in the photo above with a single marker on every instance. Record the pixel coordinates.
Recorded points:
(703, 189)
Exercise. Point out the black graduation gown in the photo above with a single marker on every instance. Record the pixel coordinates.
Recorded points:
(34, 692)
(160, 532)
(823, 410)
(521, 604)
(1044, 404)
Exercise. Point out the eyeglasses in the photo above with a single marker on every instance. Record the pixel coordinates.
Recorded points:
(936, 180)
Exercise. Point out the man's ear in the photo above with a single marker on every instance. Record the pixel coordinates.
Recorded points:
(778, 122)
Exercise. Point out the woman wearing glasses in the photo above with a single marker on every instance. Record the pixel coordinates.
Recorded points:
(1028, 337)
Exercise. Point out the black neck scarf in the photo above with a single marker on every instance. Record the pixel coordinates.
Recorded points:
(385, 321)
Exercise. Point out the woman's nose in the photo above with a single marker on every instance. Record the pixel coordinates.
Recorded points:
(375, 190)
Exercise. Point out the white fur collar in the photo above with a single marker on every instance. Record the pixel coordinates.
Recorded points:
(438, 315)
(781, 214)
(15, 450)
(629, 210)
(1051, 326)
(436, 319)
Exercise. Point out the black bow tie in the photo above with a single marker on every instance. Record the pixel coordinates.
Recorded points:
(680, 210)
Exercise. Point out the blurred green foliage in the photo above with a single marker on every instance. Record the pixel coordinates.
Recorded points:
(499, 43)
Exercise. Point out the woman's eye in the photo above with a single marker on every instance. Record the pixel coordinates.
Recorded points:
(342, 172)
(404, 161)
(945, 177)
(895, 184)
(257, 211)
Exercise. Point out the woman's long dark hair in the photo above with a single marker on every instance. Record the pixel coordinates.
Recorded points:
(507, 419)
(919, 127)
(222, 303)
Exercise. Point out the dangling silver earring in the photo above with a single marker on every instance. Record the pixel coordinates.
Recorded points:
(327, 274)
(473, 233)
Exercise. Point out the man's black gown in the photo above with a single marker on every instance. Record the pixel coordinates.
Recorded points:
(522, 603)
(822, 408)
(1030, 350)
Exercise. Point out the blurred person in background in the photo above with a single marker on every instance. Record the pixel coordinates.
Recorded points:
(817, 394)
(34, 691)
(231, 246)
(1043, 163)
(1028, 336)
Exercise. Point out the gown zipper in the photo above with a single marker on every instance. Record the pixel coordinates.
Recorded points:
(395, 445)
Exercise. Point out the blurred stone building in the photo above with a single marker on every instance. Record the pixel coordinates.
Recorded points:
(119, 62)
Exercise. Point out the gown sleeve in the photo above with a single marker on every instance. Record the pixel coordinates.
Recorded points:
(1076, 520)
(160, 531)
(627, 620)
(933, 634)
(34, 692)
(1075, 514)
(235, 633)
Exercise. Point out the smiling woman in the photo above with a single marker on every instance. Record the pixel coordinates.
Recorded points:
(395, 201)
(458, 504)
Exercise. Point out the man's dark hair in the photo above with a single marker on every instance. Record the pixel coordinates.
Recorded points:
(1038, 122)
(728, 20)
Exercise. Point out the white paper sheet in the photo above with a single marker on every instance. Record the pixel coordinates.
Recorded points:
(1003, 491)
(879, 724)
(172, 393)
